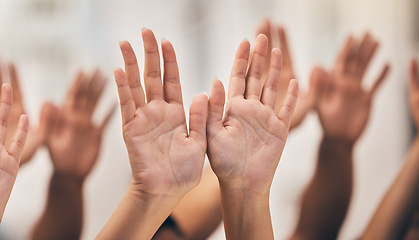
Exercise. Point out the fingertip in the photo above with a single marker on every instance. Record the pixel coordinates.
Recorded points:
(124, 44)
(262, 37)
(6, 87)
(276, 57)
(118, 72)
(293, 86)
(24, 122)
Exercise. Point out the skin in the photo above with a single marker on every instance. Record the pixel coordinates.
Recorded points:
(343, 110)
(245, 142)
(9, 156)
(166, 158)
(74, 142)
(199, 212)
(36, 135)
(396, 212)
(307, 100)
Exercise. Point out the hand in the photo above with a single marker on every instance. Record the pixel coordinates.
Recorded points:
(306, 99)
(9, 157)
(345, 106)
(73, 139)
(414, 92)
(245, 146)
(36, 135)
(165, 158)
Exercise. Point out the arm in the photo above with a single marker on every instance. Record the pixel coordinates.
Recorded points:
(343, 111)
(244, 146)
(395, 212)
(166, 159)
(9, 157)
(198, 214)
(74, 144)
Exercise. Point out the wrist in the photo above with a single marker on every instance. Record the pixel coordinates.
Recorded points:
(137, 191)
(339, 142)
(243, 190)
(66, 179)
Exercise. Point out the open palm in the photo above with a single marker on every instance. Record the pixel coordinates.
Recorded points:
(245, 146)
(345, 105)
(165, 158)
(9, 158)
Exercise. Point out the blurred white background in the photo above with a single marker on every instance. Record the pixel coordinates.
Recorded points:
(50, 40)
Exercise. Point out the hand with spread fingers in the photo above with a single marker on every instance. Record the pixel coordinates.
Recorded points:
(245, 145)
(74, 142)
(36, 135)
(9, 156)
(345, 106)
(166, 159)
(277, 37)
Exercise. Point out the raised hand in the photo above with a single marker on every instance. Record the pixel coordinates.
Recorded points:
(155, 132)
(345, 105)
(244, 146)
(166, 159)
(343, 109)
(9, 157)
(36, 135)
(73, 139)
(306, 99)
(396, 215)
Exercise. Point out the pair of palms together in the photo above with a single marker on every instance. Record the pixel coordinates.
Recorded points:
(245, 143)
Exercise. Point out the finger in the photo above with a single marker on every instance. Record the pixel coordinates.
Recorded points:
(237, 84)
(1, 73)
(253, 79)
(152, 72)
(269, 91)
(76, 91)
(344, 52)
(19, 140)
(95, 90)
(288, 106)
(125, 98)
(132, 72)
(14, 81)
(216, 107)
(286, 55)
(108, 117)
(5, 108)
(317, 85)
(171, 80)
(380, 79)
(351, 61)
(366, 53)
(47, 121)
(369, 54)
(265, 28)
(198, 120)
(414, 79)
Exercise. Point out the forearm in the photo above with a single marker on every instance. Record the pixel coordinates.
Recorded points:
(198, 214)
(246, 213)
(326, 199)
(395, 212)
(138, 215)
(63, 215)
